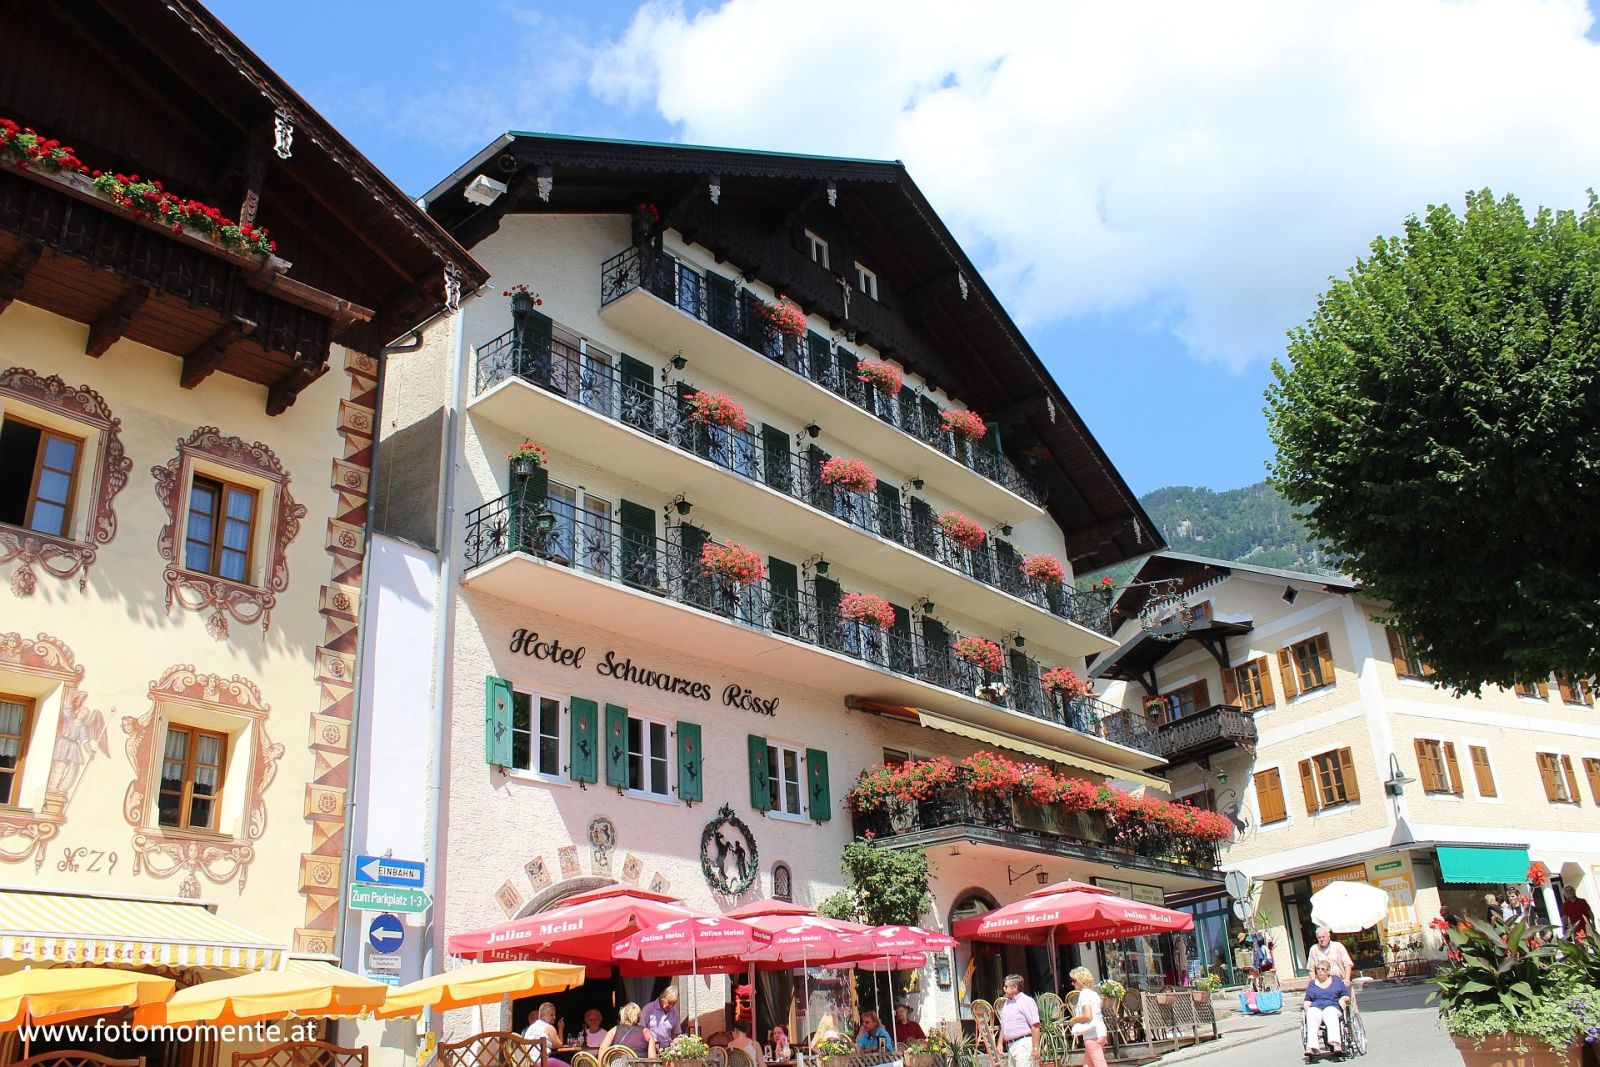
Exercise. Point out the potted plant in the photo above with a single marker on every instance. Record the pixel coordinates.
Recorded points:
(981, 652)
(687, 1050)
(851, 475)
(832, 1051)
(1206, 985)
(732, 563)
(1064, 680)
(867, 608)
(963, 531)
(1043, 568)
(783, 317)
(1106, 588)
(523, 299)
(1112, 991)
(1508, 993)
(525, 457)
(965, 424)
(935, 1048)
(884, 377)
(715, 409)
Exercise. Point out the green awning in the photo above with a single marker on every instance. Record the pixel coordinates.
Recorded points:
(1493, 866)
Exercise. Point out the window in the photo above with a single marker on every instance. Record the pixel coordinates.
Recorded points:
(1184, 702)
(782, 882)
(893, 757)
(1269, 797)
(1403, 652)
(16, 719)
(582, 532)
(1560, 781)
(866, 281)
(1329, 779)
(221, 526)
(648, 756)
(38, 472)
(1536, 691)
(785, 797)
(1306, 665)
(1482, 771)
(1591, 771)
(1204, 799)
(191, 778)
(1437, 767)
(819, 249)
(1249, 685)
(1575, 690)
(536, 727)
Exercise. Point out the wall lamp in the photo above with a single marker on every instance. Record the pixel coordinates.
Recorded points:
(678, 362)
(817, 562)
(1398, 780)
(1017, 639)
(812, 429)
(682, 504)
(924, 605)
(1005, 529)
(916, 483)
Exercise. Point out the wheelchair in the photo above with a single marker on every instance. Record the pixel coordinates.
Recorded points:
(1352, 1036)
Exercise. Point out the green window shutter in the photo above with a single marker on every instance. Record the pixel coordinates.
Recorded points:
(936, 651)
(533, 341)
(583, 741)
(616, 746)
(821, 800)
(690, 787)
(639, 566)
(698, 585)
(776, 469)
(692, 435)
(828, 594)
(528, 498)
(900, 658)
(922, 527)
(760, 798)
(932, 425)
(818, 357)
(720, 306)
(783, 581)
(890, 524)
(910, 415)
(1005, 558)
(849, 367)
(637, 401)
(820, 493)
(496, 721)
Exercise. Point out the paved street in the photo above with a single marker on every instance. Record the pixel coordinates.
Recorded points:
(1401, 1029)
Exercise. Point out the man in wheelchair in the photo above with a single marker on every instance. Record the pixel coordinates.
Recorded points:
(1327, 1006)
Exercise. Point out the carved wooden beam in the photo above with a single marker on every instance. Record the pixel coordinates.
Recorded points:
(255, 173)
(288, 388)
(109, 328)
(204, 361)
(15, 273)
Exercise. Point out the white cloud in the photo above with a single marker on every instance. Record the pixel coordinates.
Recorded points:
(1206, 165)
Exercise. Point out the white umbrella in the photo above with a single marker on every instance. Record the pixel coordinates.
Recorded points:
(1348, 907)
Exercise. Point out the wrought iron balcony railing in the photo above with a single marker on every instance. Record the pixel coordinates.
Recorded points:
(670, 567)
(1214, 729)
(587, 375)
(733, 310)
(956, 805)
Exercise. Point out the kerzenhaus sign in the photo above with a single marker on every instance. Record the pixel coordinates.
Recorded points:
(530, 643)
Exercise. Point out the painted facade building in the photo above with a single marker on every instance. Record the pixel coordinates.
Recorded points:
(695, 356)
(1283, 704)
(186, 438)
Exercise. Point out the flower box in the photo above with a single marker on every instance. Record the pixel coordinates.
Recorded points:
(1045, 568)
(981, 653)
(1064, 680)
(962, 530)
(734, 563)
(527, 456)
(715, 409)
(867, 608)
(884, 377)
(852, 475)
(963, 424)
(783, 318)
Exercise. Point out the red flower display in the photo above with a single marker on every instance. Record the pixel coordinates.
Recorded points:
(25, 148)
(868, 608)
(1537, 875)
(854, 475)
(883, 377)
(148, 200)
(911, 781)
(715, 409)
(1064, 680)
(962, 530)
(1045, 568)
(981, 653)
(529, 450)
(733, 562)
(522, 289)
(963, 424)
(783, 317)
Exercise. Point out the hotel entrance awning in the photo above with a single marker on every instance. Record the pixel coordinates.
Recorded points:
(1034, 748)
(58, 928)
(1484, 866)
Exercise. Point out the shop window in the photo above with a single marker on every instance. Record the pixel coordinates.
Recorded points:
(16, 720)
(782, 882)
(1575, 690)
(1328, 780)
(1403, 653)
(1269, 796)
(1437, 766)
(537, 733)
(1482, 771)
(1249, 685)
(1306, 665)
(818, 249)
(867, 282)
(220, 529)
(1560, 781)
(649, 758)
(38, 476)
(192, 765)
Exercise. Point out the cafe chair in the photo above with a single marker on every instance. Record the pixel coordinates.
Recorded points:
(616, 1056)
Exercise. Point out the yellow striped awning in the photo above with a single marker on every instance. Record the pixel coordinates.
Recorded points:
(58, 928)
(1034, 748)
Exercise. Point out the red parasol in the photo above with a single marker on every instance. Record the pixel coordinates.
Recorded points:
(1073, 915)
(583, 930)
(681, 940)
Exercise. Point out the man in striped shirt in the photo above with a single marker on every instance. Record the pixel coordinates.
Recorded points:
(1019, 1025)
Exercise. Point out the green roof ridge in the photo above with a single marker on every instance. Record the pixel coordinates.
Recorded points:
(702, 147)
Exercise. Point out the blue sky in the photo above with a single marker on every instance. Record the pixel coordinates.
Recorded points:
(1156, 191)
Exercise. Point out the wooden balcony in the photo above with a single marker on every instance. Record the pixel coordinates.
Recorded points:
(1206, 733)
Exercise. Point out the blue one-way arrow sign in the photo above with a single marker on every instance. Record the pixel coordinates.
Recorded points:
(381, 870)
(386, 932)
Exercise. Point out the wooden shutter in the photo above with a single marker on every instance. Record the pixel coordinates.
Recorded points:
(818, 357)
(698, 585)
(760, 789)
(922, 527)
(1564, 684)
(496, 721)
(690, 786)
(777, 470)
(900, 657)
(1007, 565)
(821, 798)
(1264, 672)
(1325, 654)
(1544, 691)
(783, 581)
(819, 492)
(933, 425)
(694, 436)
(638, 393)
(889, 524)
(616, 746)
(721, 307)
(1591, 770)
(1230, 686)
(1453, 768)
(537, 330)
(1548, 770)
(1572, 780)
(583, 740)
(1269, 796)
(1347, 771)
(1291, 679)
(639, 566)
(828, 594)
(1482, 771)
(1202, 695)
(1397, 652)
(1308, 785)
(1425, 766)
(849, 367)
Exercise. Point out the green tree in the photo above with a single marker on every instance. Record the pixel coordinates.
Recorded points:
(1440, 429)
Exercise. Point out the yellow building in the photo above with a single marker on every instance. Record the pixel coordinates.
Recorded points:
(1282, 704)
(186, 425)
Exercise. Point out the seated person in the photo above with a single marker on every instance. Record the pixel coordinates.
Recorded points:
(905, 1027)
(594, 1035)
(872, 1035)
(719, 1038)
(543, 1025)
(779, 1037)
(741, 1040)
(826, 1028)
(1327, 996)
(630, 1034)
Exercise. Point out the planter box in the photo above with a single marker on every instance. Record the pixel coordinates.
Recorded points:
(1500, 1050)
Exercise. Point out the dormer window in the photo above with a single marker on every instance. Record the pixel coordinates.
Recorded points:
(819, 249)
(867, 282)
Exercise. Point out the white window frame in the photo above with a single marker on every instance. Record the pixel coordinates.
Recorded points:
(532, 771)
(819, 250)
(778, 811)
(1456, 790)
(580, 510)
(648, 754)
(867, 281)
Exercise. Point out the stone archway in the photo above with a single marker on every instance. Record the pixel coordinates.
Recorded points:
(551, 896)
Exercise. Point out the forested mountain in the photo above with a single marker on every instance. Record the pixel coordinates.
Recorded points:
(1249, 525)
